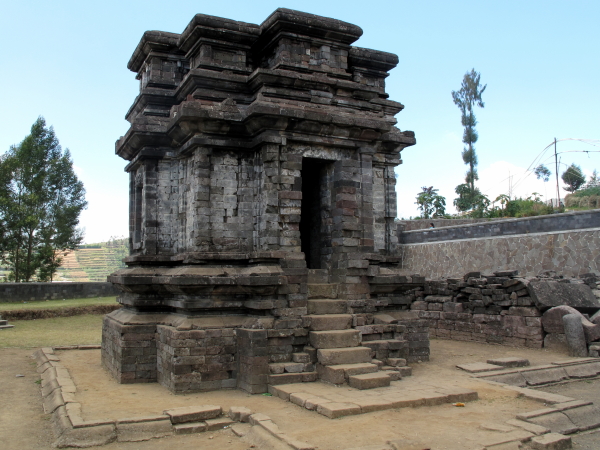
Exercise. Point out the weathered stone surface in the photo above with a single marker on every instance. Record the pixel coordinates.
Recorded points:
(547, 294)
(551, 441)
(556, 342)
(334, 410)
(557, 422)
(353, 355)
(574, 335)
(335, 338)
(369, 380)
(552, 319)
(509, 362)
(193, 413)
(479, 367)
(585, 417)
(239, 413)
(544, 376)
(87, 437)
(143, 431)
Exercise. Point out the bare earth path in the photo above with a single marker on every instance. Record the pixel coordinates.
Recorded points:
(23, 424)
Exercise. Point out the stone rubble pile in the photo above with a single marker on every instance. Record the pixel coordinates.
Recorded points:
(502, 308)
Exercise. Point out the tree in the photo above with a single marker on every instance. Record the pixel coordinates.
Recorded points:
(594, 181)
(542, 173)
(469, 95)
(40, 202)
(471, 200)
(573, 177)
(430, 203)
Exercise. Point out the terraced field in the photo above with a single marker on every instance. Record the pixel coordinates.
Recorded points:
(93, 262)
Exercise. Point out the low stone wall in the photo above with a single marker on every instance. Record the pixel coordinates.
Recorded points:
(502, 308)
(577, 220)
(27, 292)
(423, 224)
(570, 253)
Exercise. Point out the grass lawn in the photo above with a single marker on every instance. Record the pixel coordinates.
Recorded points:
(75, 330)
(49, 304)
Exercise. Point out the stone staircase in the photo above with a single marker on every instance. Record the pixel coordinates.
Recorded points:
(4, 324)
(339, 354)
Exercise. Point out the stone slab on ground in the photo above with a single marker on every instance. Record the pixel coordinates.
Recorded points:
(585, 417)
(518, 435)
(544, 376)
(479, 367)
(583, 370)
(531, 427)
(557, 422)
(193, 413)
(551, 441)
(509, 362)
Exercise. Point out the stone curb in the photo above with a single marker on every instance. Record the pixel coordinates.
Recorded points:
(263, 421)
(551, 424)
(71, 430)
(553, 373)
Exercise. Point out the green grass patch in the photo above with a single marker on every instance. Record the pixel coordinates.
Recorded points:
(50, 304)
(76, 330)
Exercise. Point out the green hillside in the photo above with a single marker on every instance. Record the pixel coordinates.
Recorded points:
(94, 262)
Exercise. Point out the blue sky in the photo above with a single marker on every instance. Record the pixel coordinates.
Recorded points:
(66, 61)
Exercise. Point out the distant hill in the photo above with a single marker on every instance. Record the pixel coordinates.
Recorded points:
(94, 262)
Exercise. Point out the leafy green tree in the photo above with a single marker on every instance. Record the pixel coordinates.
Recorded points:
(466, 98)
(471, 200)
(573, 177)
(431, 204)
(40, 203)
(542, 173)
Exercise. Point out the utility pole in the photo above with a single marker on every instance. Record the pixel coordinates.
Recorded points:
(556, 170)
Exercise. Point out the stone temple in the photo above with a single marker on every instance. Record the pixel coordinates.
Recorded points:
(263, 248)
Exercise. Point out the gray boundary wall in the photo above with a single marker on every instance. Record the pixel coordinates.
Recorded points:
(566, 243)
(540, 224)
(18, 292)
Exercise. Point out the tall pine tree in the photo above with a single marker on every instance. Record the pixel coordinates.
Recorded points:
(466, 98)
(40, 202)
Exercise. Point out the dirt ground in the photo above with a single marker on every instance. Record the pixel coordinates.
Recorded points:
(23, 425)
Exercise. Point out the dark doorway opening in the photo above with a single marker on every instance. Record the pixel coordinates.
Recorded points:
(313, 242)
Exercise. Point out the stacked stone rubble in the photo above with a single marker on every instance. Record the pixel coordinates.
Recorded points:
(497, 308)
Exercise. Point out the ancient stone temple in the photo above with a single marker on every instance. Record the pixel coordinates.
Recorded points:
(262, 205)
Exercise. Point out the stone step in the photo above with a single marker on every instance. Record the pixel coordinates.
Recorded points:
(339, 373)
(351, 355)
(317, 276)
(404, 371)
(327, 322)
(288, 378)
(326, 306)
(334, 338)
(2, 327)
(3, 322)
(369, 380)
(291, 367)
(324, 290)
